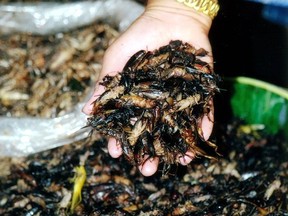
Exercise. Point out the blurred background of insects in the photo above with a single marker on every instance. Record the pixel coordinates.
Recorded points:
(47, 76)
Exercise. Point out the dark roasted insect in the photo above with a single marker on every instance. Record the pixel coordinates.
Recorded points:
(135, 60)
(154, 105)
(144, 147)
(181, 58)
(33, 211)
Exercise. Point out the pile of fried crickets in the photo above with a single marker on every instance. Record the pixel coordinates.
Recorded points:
(154, 107)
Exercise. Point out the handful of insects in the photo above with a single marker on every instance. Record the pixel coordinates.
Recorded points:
(155, 105)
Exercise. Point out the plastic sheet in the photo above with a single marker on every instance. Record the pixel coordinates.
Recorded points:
(24, 136)
(49, 18)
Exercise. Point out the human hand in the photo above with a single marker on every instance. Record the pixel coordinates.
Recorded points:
(161, 22)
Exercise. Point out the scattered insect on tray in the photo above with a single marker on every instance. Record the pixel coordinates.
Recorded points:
(155, 105)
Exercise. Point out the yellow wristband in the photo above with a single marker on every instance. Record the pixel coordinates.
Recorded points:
(208, 7)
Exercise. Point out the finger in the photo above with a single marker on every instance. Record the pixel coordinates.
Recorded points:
(186, 158)
(114, 148)
(150, 166)
(207, 126)
(207, 122)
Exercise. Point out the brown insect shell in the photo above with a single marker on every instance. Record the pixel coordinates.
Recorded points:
(176, 72)
(187, 102)
(107, 96)
(179, 96)
(144, 62)
(156, 61)
(201, 52)
(188, 134)
(110, 94)
(122, 138)
(111, 81)
(138, 101)
(205, 68)
(174, 44)
(159, 149)
(135, 59)
(170, 101)
(154, 94)
(168, 118)
(136, 131)
(156, 115)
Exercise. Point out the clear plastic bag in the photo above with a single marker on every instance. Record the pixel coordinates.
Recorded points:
(50, 17)
(23, 136)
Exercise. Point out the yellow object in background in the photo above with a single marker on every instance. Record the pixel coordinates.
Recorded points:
(79, 180)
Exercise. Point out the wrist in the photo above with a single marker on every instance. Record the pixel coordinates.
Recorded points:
(173, 11)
